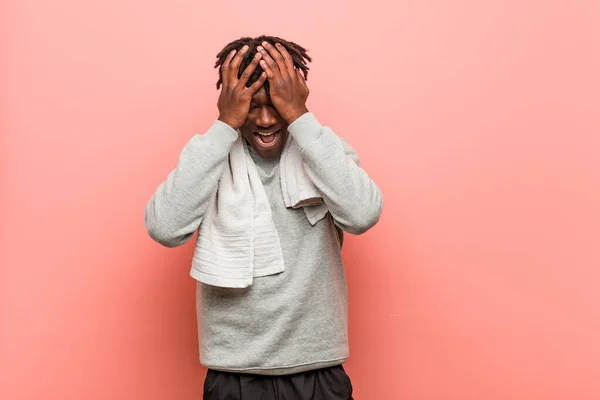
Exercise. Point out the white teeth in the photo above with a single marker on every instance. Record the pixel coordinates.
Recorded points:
(266, 133)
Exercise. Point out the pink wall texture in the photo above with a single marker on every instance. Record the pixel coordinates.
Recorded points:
(478, 119)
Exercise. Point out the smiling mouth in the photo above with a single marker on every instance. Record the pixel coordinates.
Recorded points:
(267, 139)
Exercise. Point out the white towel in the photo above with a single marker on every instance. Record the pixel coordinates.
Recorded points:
(237, 239)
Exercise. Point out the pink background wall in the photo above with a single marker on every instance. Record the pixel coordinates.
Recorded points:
(479, 120)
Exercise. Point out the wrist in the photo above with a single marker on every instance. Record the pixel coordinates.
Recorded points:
(295, 114)
(227, 121)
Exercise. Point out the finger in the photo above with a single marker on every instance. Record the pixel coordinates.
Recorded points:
(267, 59)
(268, 71)
(225, 66)
(276, 55)
(235, 64)
(301, 77)
(289, 63)
(249, 70)
(258, 84)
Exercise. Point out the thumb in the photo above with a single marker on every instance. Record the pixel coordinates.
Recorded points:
(300, 76)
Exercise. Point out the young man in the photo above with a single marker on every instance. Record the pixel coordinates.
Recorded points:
(285, 335)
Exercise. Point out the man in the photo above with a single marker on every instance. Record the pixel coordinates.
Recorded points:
(285, 335)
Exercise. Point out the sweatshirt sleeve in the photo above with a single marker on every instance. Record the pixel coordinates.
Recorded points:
(353, 199)
(175, 210)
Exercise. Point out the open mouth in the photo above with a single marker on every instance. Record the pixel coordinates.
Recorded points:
(267, 139)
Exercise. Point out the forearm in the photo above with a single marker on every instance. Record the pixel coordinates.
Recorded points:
(353, 199)
(176, 209)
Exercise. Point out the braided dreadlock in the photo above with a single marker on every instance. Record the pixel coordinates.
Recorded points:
(298, 54)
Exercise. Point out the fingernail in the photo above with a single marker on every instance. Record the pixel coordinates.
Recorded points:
(265, 43)
(257, 55)
(245, 47)
(260, 48)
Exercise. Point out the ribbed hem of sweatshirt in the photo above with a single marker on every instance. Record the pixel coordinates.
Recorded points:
(221, 133)
(282, 370)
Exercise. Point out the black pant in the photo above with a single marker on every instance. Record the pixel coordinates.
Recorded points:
(322, 384)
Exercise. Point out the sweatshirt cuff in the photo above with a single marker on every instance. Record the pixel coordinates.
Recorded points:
(221, 134)
(305, 129)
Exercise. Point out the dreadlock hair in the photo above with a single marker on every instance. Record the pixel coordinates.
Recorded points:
(297, 52)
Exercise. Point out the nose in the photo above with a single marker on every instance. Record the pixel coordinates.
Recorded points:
(266, 117)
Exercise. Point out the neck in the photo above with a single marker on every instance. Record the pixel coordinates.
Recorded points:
(260, 160)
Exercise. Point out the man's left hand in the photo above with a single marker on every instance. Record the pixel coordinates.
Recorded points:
(287, 85)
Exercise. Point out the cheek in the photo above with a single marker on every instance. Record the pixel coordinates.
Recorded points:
(276, 115)
(248, 125)
(247, 134)
(252, 117)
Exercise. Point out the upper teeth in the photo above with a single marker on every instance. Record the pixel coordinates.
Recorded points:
(266, 133)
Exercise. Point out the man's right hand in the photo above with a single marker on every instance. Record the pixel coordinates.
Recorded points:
(234, 100)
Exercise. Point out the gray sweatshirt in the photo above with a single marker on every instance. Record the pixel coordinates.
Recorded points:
(290, 322)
